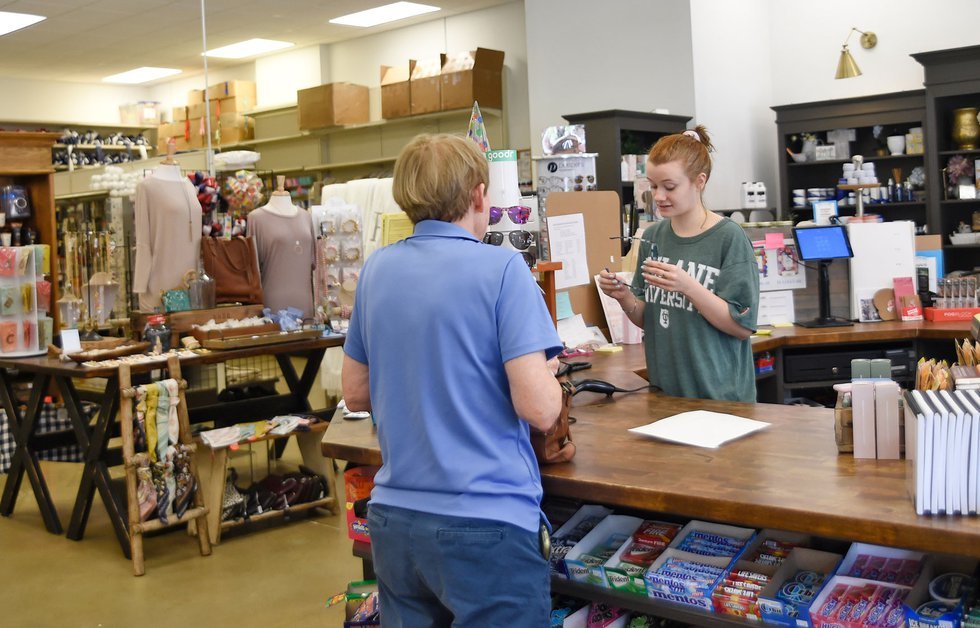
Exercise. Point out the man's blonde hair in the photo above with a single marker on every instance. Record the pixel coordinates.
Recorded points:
(435, 176)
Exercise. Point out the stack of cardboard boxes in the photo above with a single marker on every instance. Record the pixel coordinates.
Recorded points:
(443, 83)
(229, 101)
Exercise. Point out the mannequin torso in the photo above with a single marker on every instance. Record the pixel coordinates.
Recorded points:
(167, 172)
(281, 205)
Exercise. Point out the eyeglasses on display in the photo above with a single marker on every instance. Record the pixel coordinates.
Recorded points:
(519, 239)
(519, 214)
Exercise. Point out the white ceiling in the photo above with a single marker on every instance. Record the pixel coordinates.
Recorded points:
(85, 40)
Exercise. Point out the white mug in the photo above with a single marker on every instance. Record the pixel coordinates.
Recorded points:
(896, 144)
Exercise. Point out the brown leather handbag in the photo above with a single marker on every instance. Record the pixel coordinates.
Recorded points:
(234, 265)
(556, 444)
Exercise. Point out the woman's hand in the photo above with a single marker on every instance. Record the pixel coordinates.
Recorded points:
(668, 277)
(610, 284)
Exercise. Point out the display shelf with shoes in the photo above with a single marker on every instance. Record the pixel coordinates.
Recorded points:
(276, 495)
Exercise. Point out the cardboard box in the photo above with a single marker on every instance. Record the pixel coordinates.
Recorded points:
(232, 89)
(179, 114)
(146, 112)
(683, 592)
(332, 104)
(196, 139)
(563, 541)
(358, 483)
(937, 566)
(238, 104)
(396, 100)
(819, 621)
(225, 135)
(195, 96)
(475, 75)
(426, 85)
(613, 526)
(777, 611)
(196, 111)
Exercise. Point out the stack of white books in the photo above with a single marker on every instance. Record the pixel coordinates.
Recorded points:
(942, 441)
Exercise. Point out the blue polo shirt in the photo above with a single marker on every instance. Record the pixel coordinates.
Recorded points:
(435, 318)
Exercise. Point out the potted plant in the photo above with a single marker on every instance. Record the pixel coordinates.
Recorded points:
(959, 171)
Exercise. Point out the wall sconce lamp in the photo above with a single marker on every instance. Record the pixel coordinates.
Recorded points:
(846, 67)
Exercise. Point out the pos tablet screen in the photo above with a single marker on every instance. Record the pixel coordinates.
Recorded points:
(815, 243)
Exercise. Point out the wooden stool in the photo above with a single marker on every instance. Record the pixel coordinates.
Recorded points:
(197, 512)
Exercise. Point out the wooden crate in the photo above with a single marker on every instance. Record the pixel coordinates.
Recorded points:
(181, 323)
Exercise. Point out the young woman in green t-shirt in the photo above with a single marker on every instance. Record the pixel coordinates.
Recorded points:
(695, 292)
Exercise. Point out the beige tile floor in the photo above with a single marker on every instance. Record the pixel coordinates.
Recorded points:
(278, 574)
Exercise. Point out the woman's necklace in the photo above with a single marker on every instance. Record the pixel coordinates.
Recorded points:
(703, 221)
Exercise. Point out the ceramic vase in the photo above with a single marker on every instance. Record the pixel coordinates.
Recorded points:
(966, 130)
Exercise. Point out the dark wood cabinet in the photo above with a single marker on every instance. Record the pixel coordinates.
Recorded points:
(614, 133)
(952, 81)
(25, 162)
(895, 113)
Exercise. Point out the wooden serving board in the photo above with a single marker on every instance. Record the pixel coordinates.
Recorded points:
(257, 340)
(93, 355)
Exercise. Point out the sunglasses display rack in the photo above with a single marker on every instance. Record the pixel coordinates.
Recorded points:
(516, 227)
(339, 258)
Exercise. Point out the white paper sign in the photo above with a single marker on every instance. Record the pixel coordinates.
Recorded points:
(776, 307)
(700, 428)
(566, 234)
(70, 342)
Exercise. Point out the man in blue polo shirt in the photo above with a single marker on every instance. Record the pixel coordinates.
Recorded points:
(451, 347)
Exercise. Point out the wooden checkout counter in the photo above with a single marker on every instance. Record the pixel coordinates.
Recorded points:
(788, 476)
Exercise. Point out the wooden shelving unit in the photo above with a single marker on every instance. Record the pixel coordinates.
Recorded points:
(353, 150)
(20, 156)
(610, 133)
(952, 80)
(898, 111)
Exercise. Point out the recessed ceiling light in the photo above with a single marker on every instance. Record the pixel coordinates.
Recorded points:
(141, 75)
(248, 48)
(384, 14)
(10, 22)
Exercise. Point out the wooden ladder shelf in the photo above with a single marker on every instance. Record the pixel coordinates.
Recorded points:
(196, 512)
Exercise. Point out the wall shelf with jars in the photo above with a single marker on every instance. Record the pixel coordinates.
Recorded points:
(815, 140)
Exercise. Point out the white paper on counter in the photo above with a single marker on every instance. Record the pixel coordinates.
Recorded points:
(701, 428)
(566, 236)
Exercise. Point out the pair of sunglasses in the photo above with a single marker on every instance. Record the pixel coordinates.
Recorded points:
(519, 214)
(519, 239)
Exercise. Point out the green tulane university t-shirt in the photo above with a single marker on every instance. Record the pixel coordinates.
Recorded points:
(686, 355)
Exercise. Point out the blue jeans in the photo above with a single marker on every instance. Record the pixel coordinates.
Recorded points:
(437, 570)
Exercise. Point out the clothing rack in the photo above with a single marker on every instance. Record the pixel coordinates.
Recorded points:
(197, 511)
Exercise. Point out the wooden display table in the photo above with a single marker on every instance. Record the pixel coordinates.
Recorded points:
(94, 439)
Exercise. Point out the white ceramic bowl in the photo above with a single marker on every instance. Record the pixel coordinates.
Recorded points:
(963, 238)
